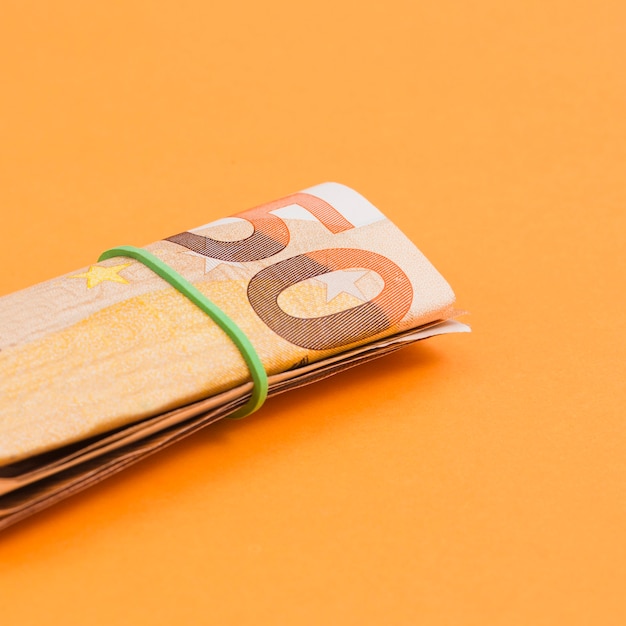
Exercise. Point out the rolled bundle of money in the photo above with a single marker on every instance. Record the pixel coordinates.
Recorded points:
(103, 366)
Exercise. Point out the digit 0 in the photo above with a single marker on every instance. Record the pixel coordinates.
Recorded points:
(338, 329)
(270, 235)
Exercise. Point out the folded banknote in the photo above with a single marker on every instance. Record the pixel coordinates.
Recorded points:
(102, 366)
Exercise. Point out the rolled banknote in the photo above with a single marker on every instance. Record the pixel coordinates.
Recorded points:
(109, 363)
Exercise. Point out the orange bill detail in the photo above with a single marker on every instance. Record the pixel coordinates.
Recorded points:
(341, 328)
(271, 234)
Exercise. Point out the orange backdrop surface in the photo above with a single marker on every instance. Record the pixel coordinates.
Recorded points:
(472, 479)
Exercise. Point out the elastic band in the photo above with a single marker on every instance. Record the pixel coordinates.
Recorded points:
(237, 336)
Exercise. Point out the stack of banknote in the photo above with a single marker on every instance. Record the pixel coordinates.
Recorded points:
(108, 364)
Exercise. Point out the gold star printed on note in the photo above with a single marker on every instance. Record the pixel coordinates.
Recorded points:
(98, 274)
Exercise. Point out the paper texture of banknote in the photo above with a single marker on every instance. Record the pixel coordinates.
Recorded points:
(109, 363)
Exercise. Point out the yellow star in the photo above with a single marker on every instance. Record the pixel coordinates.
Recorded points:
(98, 274)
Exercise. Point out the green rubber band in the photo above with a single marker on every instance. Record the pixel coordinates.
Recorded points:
(237, 336)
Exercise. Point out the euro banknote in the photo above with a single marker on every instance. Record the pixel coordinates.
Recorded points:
(110, 363)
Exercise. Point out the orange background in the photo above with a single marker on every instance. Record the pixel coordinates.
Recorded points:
(473, 479)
